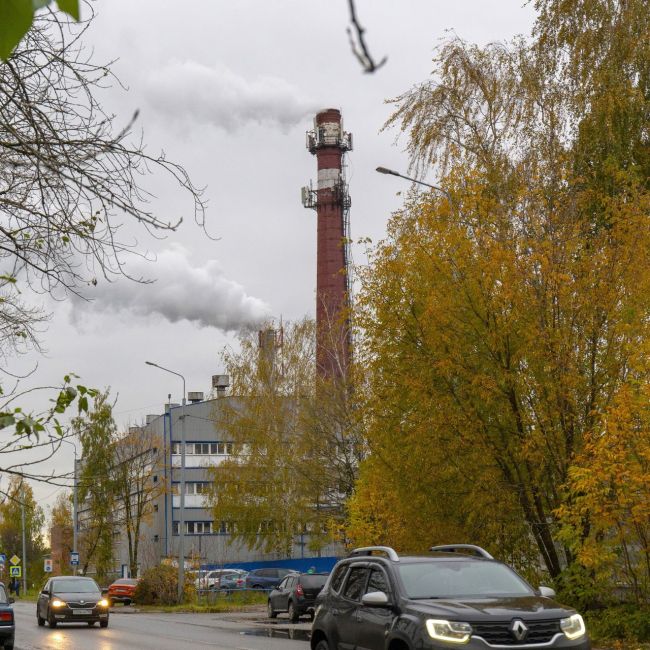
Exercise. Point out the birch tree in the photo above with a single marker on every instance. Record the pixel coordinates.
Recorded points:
(134, 464)
(503, 321)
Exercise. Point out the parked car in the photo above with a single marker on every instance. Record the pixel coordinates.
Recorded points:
(71, 599)
(206, 579)
(7, 621)
(267, 578)
(229, 582)
(439, 601)
(296, 595)
(121, 591)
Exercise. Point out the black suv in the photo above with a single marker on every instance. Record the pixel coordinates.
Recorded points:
(458, 596)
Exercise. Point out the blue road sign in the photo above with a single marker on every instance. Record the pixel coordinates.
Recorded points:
(74, 559)
(3, 558)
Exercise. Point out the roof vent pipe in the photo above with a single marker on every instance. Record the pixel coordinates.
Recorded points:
(220, 383)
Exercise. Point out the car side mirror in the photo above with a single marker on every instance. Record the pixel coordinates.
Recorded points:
(375, 599)
(11, 600)
(547, 592)
(45, 592)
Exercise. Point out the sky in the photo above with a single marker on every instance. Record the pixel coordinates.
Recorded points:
(228, 89)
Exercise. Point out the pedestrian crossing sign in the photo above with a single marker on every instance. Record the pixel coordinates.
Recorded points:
(15, 571)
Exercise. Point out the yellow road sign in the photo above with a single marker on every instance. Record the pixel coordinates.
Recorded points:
(14, 559)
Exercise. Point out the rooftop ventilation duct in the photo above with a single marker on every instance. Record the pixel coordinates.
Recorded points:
(220, 383)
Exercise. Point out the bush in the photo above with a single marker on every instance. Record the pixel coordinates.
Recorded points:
(578, 587)
(159, 586)
(623, 622)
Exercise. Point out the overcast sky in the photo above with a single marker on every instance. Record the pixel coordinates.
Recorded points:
(228, 89)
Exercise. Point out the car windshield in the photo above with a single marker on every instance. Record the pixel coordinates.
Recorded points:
(452, 579)
(75, 586)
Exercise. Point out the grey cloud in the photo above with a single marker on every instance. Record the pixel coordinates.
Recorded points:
(193, 91)
(202, 295)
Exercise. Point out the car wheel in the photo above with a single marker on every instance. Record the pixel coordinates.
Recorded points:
(50, 620)
(9, 645)
(322, 645)
(294, 615)
(39, 620)
(91, 623)
(103, 623)
(271, 612)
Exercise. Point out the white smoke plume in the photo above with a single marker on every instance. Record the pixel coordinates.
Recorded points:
(202, 295)
(215, 95)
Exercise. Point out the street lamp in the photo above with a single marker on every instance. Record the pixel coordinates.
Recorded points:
(392, 172)
(74, 496)
(181, 523)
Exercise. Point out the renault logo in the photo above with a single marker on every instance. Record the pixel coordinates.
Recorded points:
(518, 629)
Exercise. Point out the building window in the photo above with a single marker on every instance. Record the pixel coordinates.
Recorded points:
(204, 448)
(192, 487)
(155, 507)
(194, 528)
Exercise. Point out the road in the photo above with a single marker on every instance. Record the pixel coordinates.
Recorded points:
(158, 631)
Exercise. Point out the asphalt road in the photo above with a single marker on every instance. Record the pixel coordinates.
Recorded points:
(151, 631)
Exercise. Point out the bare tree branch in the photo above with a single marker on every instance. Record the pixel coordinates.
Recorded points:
(359, 47)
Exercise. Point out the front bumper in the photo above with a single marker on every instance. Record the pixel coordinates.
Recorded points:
(68, 615)
(558, 642)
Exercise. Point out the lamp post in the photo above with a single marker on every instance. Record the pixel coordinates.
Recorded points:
(181, 523)
(392, 172)
(75, 487)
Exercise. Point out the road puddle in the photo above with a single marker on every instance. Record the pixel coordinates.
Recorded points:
(278, 633)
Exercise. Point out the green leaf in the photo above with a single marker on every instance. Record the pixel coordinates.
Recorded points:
(70, 7)
(15, 20)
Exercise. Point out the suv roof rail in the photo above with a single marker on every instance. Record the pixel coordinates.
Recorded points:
(469, 549)
(369, 550)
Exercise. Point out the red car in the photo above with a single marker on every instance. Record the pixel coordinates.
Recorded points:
(121, 591)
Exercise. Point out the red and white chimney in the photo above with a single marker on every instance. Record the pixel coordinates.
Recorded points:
(329, 142)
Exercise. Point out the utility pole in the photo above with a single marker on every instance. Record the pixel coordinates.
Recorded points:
(74, 511)
(22, 518)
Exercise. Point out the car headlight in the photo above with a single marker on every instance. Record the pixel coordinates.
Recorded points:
(573, 627)
(58, 603)
(103, 603)
(451, 631)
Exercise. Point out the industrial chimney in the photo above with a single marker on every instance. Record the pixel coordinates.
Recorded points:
(329, 143)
